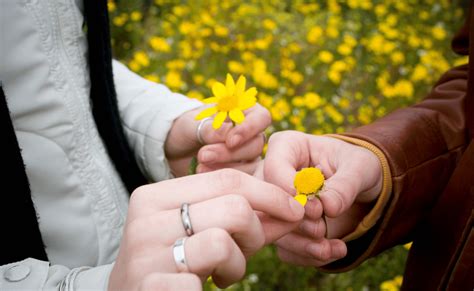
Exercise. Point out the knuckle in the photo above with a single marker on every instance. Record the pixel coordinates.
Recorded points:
(239, 210)
(319, 228)
(137, 232)
(229, 179)
(192, 281)
(152, 281)
(221, 244)
(138, 195)
(277, 199)
(285, 136)
(324, 252)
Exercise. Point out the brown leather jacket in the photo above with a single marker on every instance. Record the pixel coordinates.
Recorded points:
(430, 150)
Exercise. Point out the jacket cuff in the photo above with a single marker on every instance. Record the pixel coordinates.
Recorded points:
(92, 278)
(152, 153)
(373, 216)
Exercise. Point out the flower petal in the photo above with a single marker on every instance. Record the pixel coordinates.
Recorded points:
(237, 115)
(219, 119)
(206, 113)
(230, 85)
(302, 199)
(251, 92)
(240, 86)
(211, 100)
(219, 90)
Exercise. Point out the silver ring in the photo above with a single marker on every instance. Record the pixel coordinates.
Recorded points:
(199, 129)
(186, 219)
(179, 255)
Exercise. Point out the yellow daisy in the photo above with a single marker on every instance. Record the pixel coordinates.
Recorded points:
(307, 181)
(230, 99)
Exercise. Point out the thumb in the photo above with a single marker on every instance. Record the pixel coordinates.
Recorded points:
(339, 192)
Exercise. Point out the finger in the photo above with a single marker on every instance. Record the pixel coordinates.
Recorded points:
(231, 213)
(323, 250)
(313, 209)
(262, 196)
(210, 135)
(313, 229)
(171, 282)
(286, 154)
(258, 173)
(246, 167)
(214, 252)
(220, 153)
(274, 228)
(340, 190)
(295, 259)
(306, 247)
(257, 119)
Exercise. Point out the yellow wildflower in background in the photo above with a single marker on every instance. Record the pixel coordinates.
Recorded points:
(307, 181)
(230, 99)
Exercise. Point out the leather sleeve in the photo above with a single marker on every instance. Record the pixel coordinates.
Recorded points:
(422, 144)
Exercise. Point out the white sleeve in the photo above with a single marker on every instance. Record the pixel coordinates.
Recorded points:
(148, 110)
(32, 274)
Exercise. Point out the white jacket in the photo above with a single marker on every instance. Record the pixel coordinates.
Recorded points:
(79, 197)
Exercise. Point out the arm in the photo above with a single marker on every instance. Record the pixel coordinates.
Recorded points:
(161, 128)
(419, 142)
(148, 111)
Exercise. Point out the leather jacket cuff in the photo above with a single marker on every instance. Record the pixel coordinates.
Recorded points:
(373, 216)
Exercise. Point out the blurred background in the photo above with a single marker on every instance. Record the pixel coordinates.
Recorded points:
(319, 66)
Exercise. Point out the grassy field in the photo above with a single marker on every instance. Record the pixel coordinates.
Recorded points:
(319, 66)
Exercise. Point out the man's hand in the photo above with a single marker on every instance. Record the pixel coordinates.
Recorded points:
(353, 180)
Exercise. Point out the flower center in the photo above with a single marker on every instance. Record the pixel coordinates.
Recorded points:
(227, 103)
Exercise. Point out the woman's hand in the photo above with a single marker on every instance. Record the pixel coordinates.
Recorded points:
(353, 180)
(232, 214)
(236, 147)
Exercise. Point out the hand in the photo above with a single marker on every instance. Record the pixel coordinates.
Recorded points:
(225, 207)
(170, 282)
(353, 180)
(236, 147)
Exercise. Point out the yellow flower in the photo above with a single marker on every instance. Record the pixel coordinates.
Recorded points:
(111, 6)
(230, 99)
(438, 32)
(159, 44)
(307, 181)
(314, 34)
(325, 56)
(136, 16)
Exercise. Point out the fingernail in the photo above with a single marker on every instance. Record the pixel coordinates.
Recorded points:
(296, 207)
(208, 156)
(235, 140)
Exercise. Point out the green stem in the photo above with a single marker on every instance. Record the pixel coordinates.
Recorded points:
(193, 166)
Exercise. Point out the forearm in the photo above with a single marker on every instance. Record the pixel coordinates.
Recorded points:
(148, 111)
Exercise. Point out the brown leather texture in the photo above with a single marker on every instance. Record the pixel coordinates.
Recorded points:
(430, 150)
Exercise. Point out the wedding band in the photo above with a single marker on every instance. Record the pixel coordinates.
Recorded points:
(179, 255)
(188, 228)
(199, 129)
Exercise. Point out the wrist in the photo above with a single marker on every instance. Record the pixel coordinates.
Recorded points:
(373, 201)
